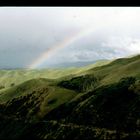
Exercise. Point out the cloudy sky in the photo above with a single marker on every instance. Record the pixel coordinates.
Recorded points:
(31, 36)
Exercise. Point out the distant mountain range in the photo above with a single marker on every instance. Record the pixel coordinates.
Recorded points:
(75, 64)
(60, 65)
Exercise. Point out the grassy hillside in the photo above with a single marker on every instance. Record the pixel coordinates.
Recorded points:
(108, 112)
(117, 69)
(35, 94)
(8, 78)
(100, 101)
(23, 89)
(112, 109)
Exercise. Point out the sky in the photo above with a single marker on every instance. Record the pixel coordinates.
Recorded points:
(41, 37)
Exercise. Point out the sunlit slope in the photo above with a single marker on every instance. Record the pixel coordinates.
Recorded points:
(106, 71)
(9, 78)
(103, 75)
(23, 89)
(36, 94)
(117, 69)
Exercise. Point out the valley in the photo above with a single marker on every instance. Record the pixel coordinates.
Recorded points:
(97, 101)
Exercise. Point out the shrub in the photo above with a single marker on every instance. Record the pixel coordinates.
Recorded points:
(1, 87)
(80, 83)
(12, 84)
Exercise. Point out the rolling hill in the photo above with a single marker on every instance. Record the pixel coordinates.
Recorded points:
(12, 77)
(117, 69)
(99, 101)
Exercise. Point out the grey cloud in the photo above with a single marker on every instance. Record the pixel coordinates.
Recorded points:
(26, 33)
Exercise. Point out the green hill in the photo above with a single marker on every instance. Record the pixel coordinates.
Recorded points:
(117, 69)
(100, 101)
(9, 78)
(39, 92)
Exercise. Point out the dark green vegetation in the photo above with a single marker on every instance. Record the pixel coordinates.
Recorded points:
(80, 83)
(100, 102)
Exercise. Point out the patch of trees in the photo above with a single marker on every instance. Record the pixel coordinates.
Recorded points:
(80, 83)
(135, 87)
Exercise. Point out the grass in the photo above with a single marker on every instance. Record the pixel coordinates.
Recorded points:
(22, 89)
(108, 72)
(117, 69)
(39, 96)
(7, 77)
(57, 97)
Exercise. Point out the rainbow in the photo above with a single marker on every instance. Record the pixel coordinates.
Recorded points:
(66, 42)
